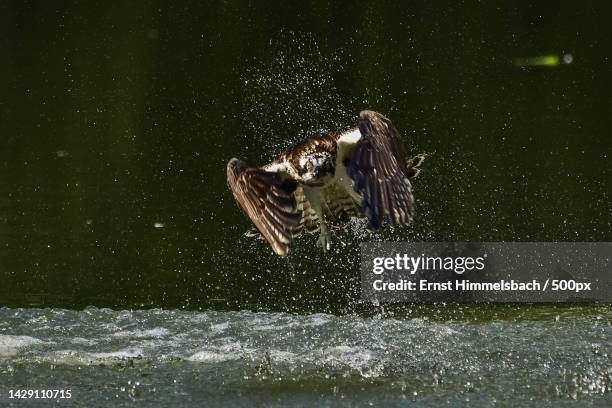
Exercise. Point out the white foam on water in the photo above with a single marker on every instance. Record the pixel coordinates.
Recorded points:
(228, 350)
(268, 327)
(11, 345)
(220, 327)
(210, 356)
(77, 357)
(286, 322)
(445, 330)
(346, 355)
(360, 359)
(284, 356)
(83, 341)
(118, 355)
(156, 332)
(317, 319)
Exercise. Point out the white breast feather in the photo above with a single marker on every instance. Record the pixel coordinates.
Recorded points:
(351, 136)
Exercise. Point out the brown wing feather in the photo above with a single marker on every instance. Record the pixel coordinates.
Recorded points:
(267, 200)
(378, 170)
(309, 221)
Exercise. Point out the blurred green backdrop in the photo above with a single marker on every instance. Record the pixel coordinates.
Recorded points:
(117, 120)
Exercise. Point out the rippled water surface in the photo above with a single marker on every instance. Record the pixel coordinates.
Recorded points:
(508, 355)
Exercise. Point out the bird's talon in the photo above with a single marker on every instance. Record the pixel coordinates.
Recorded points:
(324, 242)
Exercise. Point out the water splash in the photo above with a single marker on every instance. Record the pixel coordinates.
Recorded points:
(212, 354)
(293, 94)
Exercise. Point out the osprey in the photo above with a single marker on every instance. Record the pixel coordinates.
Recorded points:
(324, 181)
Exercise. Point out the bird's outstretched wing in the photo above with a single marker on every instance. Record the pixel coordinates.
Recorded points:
(268, 200)
(378, 169)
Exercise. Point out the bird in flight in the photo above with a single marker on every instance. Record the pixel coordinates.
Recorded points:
(324, 181)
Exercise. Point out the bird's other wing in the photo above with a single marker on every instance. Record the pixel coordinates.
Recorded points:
(379, 173)
(267, 199)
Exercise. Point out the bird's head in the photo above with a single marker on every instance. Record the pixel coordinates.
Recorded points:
(313, 168)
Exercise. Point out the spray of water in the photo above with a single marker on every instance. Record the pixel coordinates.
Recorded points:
(292, 95)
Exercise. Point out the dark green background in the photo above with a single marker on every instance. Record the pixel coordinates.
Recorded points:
(115, 116)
